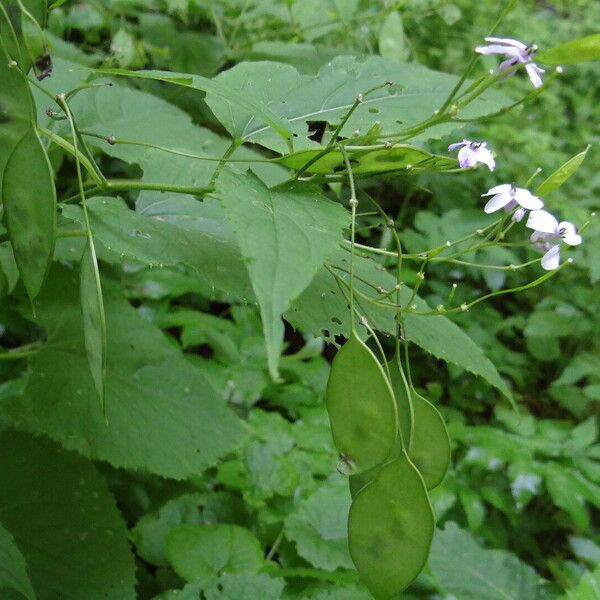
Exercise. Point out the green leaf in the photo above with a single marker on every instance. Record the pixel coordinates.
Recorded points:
(368, 161)
(318, 526)
(13, 570)
(226, 94)
(284, 236)
(94, 319)
(200, 552)
(164, 416)
(581, 50)
(323, 310)
(64, 521)
(588, 587)
(554, 181)
(172, 233)
(150, 532)
(30, 210)
(564, 489)
(327, 97)
(234, 586)
(464, 570)
(392, 40)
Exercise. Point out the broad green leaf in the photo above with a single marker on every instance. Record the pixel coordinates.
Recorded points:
(164, 416)
(284, 236)
(161, 147)
(554, 181)
(392, 40)
(64, 521)
(200, 552)
(150, 533)
(94, 319)
(227, 95)
(318, 526)
(367, 161)
(234, 586)
(13, 570)
(581, 50)
(322, 309)
(29, 199)
(464, 570)
(588, 587)
(327, 97)
(390, 529)
(186, 232)
(564, 490)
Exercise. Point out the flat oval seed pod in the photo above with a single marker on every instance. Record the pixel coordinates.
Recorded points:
(29, 201)
(360, 480)
(403, 401)
(430, 449)
(390, 529)
(361, 406)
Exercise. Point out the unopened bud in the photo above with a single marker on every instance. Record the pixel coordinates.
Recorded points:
(111, 139)
(421, 276)
(464, 307)
(359, 98)
(353, 202)
(559, 69)
(440, 308)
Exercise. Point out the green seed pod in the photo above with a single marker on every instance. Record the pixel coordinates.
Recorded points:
(423, 430)
(403, 401)
(361, 407)
(390, 529)
(357, 482)
(430, 449)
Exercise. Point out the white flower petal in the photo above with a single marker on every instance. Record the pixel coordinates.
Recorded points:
(534, 74)
(497, 49)
(483, 155)
(527, 200)
(497, 202)
(573, 239)
(466, 157)
(498, 189)
(453, 147)
(542, 221)
(508, 41)
(551, 259)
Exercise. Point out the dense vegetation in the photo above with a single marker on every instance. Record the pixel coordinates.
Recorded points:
(202, 201)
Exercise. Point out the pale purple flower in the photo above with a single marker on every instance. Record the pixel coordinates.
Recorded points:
(519, 214)
(547, 232)
(471, 153)
(515, 52)
(508, 197)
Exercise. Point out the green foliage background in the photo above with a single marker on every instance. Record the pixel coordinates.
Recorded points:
(215, 481)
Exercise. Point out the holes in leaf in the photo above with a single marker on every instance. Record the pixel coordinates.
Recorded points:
(316, 130)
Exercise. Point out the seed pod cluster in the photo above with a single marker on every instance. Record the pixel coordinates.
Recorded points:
(395, 447)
